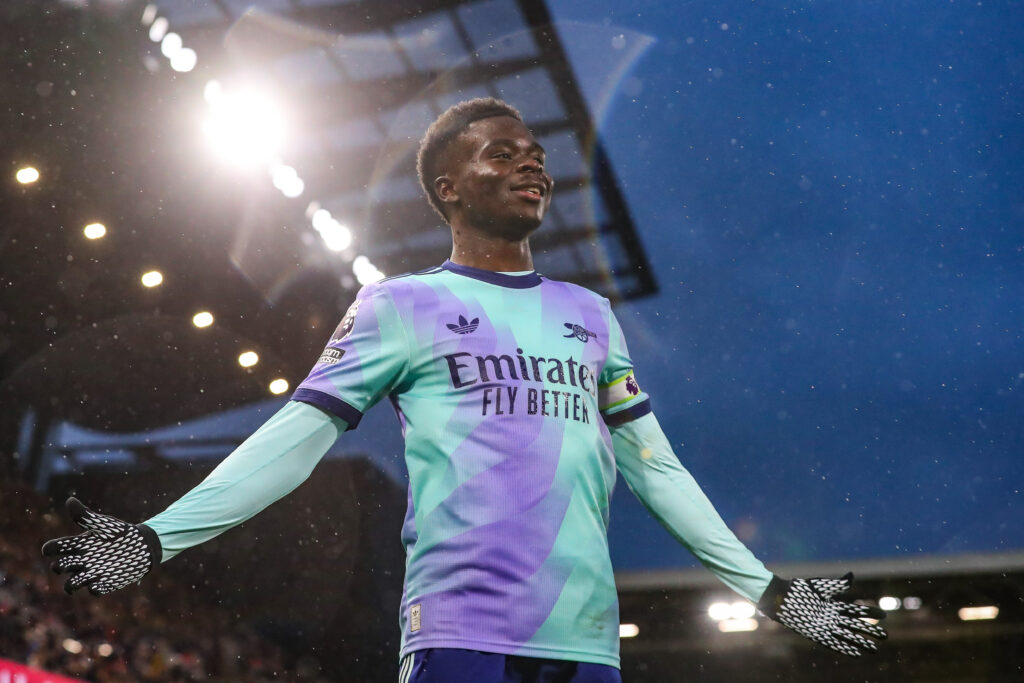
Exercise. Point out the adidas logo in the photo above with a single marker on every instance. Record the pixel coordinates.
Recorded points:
(464, 327)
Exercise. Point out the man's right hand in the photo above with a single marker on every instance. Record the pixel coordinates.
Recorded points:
(109, 555)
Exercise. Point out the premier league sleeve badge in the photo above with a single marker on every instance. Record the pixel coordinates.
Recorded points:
(345, 326)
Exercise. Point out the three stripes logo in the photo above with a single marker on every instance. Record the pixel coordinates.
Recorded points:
(464, 326)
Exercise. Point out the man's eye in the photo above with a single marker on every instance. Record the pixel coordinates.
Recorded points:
(502, 155)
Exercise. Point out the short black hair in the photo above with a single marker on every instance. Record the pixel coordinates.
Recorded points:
(445, 129)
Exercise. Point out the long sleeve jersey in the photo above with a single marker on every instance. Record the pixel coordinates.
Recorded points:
(517, 398)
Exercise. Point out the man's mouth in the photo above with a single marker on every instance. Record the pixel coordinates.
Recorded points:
(530, 192)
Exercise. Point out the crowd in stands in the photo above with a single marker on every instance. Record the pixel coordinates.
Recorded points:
(160, 632)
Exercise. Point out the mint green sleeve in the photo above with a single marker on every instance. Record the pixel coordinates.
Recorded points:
(267, 466)
(655, 475)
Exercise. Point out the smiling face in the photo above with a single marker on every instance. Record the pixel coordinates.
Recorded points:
(494, 179)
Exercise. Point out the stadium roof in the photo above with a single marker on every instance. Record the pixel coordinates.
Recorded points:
(114, 128)
(363, 80)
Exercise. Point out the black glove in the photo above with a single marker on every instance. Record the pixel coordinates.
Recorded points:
(808, 607)
(110, 554)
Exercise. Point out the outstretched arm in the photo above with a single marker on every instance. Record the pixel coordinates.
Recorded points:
(267, 466)
(653, 472)
(808, 606)
(271, 463)
(364, 360)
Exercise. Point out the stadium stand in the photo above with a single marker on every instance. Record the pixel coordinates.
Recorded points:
(160, 636)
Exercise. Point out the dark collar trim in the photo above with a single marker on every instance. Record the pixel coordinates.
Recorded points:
(500, 279)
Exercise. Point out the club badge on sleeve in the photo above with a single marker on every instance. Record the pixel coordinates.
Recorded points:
(345, 326)
(618, 392)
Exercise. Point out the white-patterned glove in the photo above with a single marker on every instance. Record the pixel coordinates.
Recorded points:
(111, 554)
(809, 607)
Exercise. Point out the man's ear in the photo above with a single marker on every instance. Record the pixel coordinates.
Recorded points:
(445, 190)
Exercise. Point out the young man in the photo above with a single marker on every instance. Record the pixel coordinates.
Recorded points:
(517, 401)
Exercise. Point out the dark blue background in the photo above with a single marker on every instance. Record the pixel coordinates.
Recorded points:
(831, 197)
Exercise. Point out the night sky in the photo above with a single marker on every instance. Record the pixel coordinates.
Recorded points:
(830, 194)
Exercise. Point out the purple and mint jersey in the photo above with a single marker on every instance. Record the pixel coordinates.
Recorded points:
(504, 386)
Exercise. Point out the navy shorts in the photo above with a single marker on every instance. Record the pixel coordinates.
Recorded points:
(449, 665)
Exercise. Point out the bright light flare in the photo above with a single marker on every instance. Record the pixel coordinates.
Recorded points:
(184, 60)
(158, 29)
(94, 231)
(720, 610)
(202, 319)
(247, 359)
(911, 602)
(71, 645)
(287, 180)
(978, 613)
(212, 91)
(246, 128)
(279, 386)
(27, 175)
(152, 278)
(741, 609)
(628, 630)
(365, 271)
(737, 625)
(149, 14)
(336, 236)
(889, 603)
(105, 650)
(171, 45)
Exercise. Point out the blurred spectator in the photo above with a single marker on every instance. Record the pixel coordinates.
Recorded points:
(163, 634)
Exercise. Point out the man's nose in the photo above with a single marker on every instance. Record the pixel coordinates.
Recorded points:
(530, 164)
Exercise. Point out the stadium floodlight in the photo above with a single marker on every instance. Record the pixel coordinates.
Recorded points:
(336, 236)
(737, 625)
(287, 180)
(889, 603)
(104, 649)
(171, 45)
(71, 645)
(365, 271)
(911, 602)
(978, 613)
(247, 359)
(245, 127)
(322, 219)
(202, 319)
(94, 231)
(152, 278)
(628, 630)
(279, 386)
(149, 14)
(158, 29)
(184, 60)
(212, 91)
(719, 611)
(27, 175)
(280, 174)
(742, 610)
(294, 188)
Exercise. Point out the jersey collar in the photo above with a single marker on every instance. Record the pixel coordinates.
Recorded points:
(500, 279)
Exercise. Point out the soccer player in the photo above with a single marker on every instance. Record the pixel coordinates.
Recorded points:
(517, 400)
